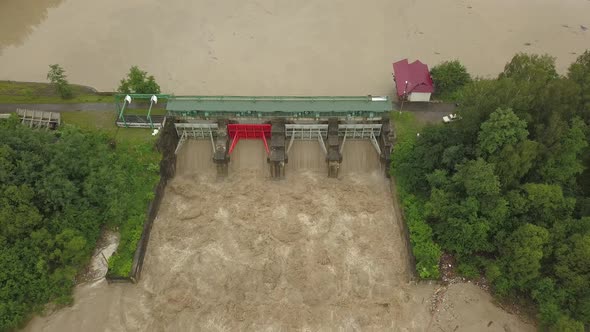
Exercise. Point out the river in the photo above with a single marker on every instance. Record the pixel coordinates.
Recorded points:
(278, 47)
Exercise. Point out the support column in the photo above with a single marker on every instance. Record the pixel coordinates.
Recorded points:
(386, 141)
(334, 157)
(220, 155)
(277, 157)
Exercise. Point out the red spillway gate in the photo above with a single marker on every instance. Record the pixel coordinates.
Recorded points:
(248, 131)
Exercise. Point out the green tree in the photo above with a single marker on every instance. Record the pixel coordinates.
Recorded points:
(531, 68)
(6, 163)
(57, 190)
(69, 248)
(433, 150)
(573, 270)
(522, 254)
(508, 183)
(559, 99)
(18, 215)
(57, 76)
(545, 204)
(563, 160)
(449, 77)
(514, 162)
(138, 81)
(501, 129)
(426, 252)
(529, 75)
(579, 72)
(466, 207)
(483, 97)
(566, 324)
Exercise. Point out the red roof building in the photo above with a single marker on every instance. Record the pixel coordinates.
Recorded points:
(412, 80)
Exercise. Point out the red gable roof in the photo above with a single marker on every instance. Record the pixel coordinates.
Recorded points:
(417, 75)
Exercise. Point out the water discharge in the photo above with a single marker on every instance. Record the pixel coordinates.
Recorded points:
(195, 156)
(250, 155)
(306, 155)
(250, 253)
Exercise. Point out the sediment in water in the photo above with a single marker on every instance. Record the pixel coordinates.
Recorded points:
(250, 253)
(195, 156)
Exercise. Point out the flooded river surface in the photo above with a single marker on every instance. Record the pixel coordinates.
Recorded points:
(248, 253)
(278, 47)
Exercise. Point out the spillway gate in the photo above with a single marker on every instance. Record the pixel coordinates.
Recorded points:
(280, 121)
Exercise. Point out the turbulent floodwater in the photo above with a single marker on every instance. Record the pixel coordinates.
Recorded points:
(275, 47)
(251, 253)
(248, 253)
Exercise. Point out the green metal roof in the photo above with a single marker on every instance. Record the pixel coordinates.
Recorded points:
(293, 105)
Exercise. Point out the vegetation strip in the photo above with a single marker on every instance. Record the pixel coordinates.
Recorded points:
(425, 251)
(166, 145)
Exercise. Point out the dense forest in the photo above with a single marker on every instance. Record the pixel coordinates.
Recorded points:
(57, 191)
(506, 188)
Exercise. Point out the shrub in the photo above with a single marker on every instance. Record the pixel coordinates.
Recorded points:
(502, 286)
(448, 78)
(426, 252)
(493, 272)
(566, 324)
(138, 81)
(468, 270)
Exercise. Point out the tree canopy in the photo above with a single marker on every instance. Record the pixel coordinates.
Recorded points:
(506, 189)
(448, 78)
(138, 81)
(57, 76)
(579, 72)
(57, 189)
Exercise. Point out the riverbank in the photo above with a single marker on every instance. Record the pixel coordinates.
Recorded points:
(13, 92)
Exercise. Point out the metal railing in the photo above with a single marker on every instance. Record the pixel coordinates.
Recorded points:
(196, 130)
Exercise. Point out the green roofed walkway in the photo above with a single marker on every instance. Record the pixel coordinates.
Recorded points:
(291, 107)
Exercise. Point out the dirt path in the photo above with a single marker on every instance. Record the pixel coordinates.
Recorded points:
(248, 253)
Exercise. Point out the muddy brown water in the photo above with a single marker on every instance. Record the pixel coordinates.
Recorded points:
(248, 253)
(278, 47)
(253, 254)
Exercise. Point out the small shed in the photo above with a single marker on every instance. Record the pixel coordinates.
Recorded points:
(412, 80)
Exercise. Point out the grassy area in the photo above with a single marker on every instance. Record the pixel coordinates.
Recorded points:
(90, 119)
(406, 125)
(45, 93)
(105, 121)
